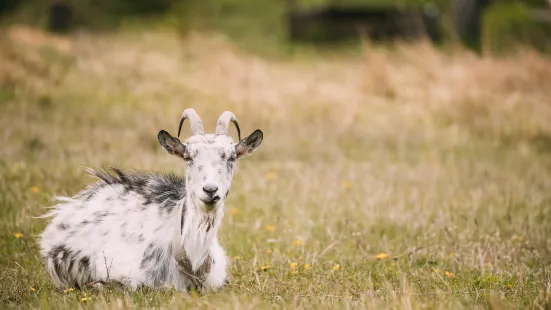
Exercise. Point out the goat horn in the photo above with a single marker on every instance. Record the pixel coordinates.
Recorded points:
(196, 123)
(224, 122)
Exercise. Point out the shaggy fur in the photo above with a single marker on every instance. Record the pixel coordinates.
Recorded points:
(96, 236)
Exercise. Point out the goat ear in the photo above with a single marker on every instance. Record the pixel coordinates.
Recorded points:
(172, 145)
(248, 145)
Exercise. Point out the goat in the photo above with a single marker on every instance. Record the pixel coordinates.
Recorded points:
(148, 229)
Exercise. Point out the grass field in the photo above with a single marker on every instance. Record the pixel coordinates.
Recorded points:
(391, 178)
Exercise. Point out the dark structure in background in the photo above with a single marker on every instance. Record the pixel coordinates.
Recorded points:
(343, 21)
(60, 16)
(334, 23)
(467, 20)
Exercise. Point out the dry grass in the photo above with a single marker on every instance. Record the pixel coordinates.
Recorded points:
(401, 178)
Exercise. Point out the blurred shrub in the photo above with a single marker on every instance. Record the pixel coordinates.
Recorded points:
(8, 5)
(530, 3)
(119, 7)
(506, 23)
(94, 14)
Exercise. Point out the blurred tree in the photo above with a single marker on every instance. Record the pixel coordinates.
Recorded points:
(467, 20)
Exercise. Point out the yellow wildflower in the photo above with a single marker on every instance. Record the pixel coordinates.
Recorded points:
(293, 265)
(264, 268)
(269, 251)
(236, 257)
(450, 274)
(32, 289)
(18, 235)
(298, 242)
(35, 189)
(270, 228)
(85, 299)
(381, 256)
(234, 211)
(70, 289)
(270, 176)
(336, 267)
(346, 184)
(307, 266)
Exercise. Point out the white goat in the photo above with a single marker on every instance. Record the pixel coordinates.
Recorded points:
(146, 229)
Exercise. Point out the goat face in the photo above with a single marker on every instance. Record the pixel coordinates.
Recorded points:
(210, 160)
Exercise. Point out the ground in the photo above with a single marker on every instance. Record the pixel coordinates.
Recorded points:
(403, 177)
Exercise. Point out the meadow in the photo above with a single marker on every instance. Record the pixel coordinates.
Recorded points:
(391, 177)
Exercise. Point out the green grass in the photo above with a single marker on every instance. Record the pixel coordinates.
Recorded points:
(440, 161)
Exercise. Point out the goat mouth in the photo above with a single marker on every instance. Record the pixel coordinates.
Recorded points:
(211, 201)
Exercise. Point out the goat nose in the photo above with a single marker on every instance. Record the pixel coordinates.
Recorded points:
(210, 188)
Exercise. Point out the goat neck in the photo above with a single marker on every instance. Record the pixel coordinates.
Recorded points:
(195, 231)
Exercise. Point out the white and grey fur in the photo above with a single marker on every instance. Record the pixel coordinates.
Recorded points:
(148, 229)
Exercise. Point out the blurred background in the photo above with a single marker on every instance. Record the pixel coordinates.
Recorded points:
(406, 142)
(490, 24)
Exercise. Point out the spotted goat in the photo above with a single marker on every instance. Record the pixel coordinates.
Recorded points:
(148, 229)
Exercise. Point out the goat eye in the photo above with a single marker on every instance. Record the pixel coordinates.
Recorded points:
(231, 159)
(187, 157)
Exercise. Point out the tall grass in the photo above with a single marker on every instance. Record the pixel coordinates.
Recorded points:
(401, 178)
